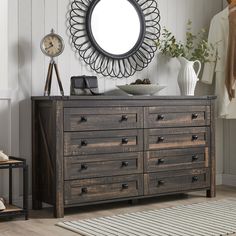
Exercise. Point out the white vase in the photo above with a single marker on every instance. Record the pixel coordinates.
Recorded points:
(188, 78)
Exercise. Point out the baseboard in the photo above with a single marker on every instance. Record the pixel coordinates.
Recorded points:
(219, 179)
(229, 180)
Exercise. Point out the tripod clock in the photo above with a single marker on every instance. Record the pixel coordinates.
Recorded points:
(52, 45)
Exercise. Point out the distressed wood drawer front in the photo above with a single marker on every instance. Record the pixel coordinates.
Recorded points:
(156, 139)
(82, 143)
(172, 116)
(103, 165)
(176, 159)
(98, 189)
(175, 181)
(82, 119)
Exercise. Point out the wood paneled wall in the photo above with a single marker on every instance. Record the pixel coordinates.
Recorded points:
(47, 14)
(3, 44)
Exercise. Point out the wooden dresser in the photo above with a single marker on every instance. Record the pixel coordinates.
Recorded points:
(89, 150)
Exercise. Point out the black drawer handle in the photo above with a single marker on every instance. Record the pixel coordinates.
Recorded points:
(84, 190)
(125, 141)
(194, 137)
(161, 182)
(195, 157)
(124, 118)
(161, 161)
(84, 167)
(161, 139)
(125, 186)
(160, 117)
(194, 116)
(125, 164)
(83, 119)
(195, 179)
(84, 143)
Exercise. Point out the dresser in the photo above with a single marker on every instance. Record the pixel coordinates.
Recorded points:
(97, 149)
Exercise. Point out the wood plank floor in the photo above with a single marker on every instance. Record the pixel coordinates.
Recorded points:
(42, 223)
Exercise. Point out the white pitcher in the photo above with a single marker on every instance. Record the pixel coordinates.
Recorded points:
(188, 78)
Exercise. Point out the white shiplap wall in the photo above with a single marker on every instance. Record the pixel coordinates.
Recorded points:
(9, 112)
(47, 14)
(3, 44)
(37, 17)
(4, 100)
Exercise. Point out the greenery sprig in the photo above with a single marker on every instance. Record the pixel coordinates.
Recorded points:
(196, 46)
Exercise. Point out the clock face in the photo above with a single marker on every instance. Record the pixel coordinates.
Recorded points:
(52, 45)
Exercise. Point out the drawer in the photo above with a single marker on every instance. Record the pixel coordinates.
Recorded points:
(96, 142)
(156, 139)
(81, 167)
(176, 181)
(174, 116)
(83, 119)
(176, 159)
(98, 189)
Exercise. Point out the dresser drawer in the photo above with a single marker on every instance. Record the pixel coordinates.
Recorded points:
(174, 116)
(81, 167)
(98, 189)
(82, 143)
(175, 181)
(156, 139)
(80, 119)
(176, 159)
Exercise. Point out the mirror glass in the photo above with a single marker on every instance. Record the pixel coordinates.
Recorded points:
(115, 26)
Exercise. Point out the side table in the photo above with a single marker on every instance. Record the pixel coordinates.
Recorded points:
(11, 209)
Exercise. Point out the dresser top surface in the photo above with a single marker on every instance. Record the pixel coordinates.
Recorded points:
(71, 98)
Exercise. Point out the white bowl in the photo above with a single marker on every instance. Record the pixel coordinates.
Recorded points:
(141, 89)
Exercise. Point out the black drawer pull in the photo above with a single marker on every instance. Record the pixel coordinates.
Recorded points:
(125, 141)
(84, 143)
(84, 167)
(84, 190)
(125, 164)
(160, 117)
(83, 119)
(124, 118)
(195, 157)
(125, 186)
(194, 116)
(195, 179)
(194, 137)
(161, 139)
(161, 182)
(161, 161)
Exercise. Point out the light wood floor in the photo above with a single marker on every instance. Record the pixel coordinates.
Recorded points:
(42, 223)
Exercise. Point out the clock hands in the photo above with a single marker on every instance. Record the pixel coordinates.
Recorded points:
(51, 45)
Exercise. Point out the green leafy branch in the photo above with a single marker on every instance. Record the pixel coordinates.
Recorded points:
(196, 46)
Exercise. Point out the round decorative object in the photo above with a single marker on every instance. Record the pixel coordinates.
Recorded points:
(140, 89)
(52, 45)
(115, 38)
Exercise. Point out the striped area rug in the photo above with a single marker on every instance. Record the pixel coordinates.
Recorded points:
(215, 218)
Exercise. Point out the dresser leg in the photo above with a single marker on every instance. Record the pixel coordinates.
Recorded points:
(58, 212)
(211, 193)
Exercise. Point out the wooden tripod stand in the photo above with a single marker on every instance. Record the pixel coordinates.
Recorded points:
(47, 89)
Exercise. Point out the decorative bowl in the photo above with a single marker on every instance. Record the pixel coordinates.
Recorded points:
(142, 89)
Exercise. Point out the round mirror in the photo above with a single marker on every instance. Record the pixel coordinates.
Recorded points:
(116, 38)
(115, 26)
